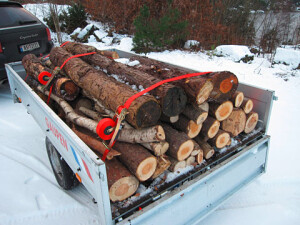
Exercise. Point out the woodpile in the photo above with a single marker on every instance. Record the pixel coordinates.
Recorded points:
(177, 125)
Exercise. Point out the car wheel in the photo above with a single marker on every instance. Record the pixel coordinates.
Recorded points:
(65, 177)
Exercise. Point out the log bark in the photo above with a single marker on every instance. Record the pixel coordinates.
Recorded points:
(235, 123)
(137, 159)
(176, 165)
(198, 89)
(33, 66)
(172, 99)
(237, 99)
(196, 114)
(95, 144)
(208, 151)
(121, 183)
(220, 111)
(247, 105)
(66, 89)
(158, 148)
(163, 163)
(210, 127)
(181, 145)
(189, 127)
(251, 121)
(144, 111)
(220, 140)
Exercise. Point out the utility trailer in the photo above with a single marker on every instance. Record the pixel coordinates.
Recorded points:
(210, 184)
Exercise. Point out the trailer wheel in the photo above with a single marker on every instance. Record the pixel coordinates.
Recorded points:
(62, 172)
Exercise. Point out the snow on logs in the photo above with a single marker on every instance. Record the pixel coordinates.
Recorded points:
(143, 112)
(172, 98)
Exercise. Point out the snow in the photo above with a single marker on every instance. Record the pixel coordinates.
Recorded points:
(190, 43)
(76, 31)
(84, 31)
(287, 56)
(233, 52)
(29, 192)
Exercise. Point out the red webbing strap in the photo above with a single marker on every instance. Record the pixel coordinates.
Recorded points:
(49, 96)
(76, 56)
(132, 98)
(105, 155)
(63, 44)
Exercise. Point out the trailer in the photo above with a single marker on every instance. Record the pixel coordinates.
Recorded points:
(198, 191)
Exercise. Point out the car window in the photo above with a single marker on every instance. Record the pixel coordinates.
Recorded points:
(12, 16)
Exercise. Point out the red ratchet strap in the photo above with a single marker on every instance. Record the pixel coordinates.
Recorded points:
(132, 98)
(103, 124)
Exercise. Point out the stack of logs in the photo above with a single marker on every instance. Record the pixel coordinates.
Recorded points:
(177, 125)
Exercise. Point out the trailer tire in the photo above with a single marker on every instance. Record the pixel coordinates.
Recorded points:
(65, 177)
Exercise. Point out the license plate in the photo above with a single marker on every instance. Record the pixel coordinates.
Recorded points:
(29, 47)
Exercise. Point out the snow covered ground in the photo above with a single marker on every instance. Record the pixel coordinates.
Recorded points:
(29, 193)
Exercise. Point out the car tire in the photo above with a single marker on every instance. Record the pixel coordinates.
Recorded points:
(65, 177)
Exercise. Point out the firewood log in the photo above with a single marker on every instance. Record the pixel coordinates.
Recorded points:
(172, 98)
(95, 144)
(199, 157)
(143, 112)
(181, 145)
(121, 183)
(110, 54)
(158, 148)
(210, 128)
(66, 89)
(176, 165)
(163, 163)
(237, 99)
(235, 123)
(189, 127)
(208, 151)
(137, 159)
(196, 149)
(220, 111)
(251, 121)
(220, 140)
(33, 66)
(247, 105)
(197, 88)
(196, 114)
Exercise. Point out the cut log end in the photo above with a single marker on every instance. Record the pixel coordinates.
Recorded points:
(204, 92)
(238, 99)
(190, 160)
(209, 153)
(213, 130)
(147, 115)
(185, 150)
(222, 140)
(199, 157)
(160, 133)
(146, 168)
(176, 165)
(235, 123)
(193, 129)
(174, 102)
(123, 188)
(224, 110)
(163, 163)
(202, 118)
(247, 106)
(252, 119)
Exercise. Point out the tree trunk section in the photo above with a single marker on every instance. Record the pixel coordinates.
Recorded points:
(163, 163)
(247, 105)
(198, 89)
(158, 148)
(220, 111)
(199, 157)
(220, 140)
(121, 183)
(66, 89)
(143, 112)
(208, 151)
(210, 127)
(251, 121)
(176, 165)
(189, 127)
(138, 160)
(172, 99)
(237, 99)
(196, 114)
(180, 145)
(235, 123)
